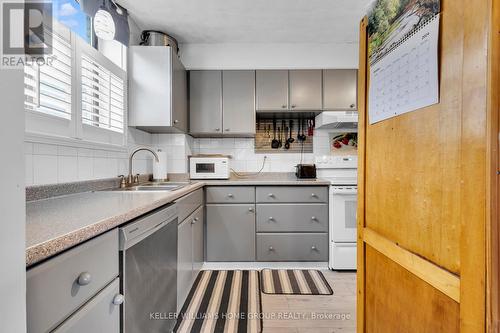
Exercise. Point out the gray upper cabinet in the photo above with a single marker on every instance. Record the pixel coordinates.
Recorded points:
(238, 102)
(157, 90)
(305, 90)
(205, 102)
(272, 90)
(340, 88)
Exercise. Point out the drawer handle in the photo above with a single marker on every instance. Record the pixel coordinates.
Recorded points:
(314, 248)
(230, 195)
(118, 299)
(84, 279)
(196, 219)
(250, 209)
(271, 248)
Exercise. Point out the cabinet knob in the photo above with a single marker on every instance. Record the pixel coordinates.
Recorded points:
(118, 299)
(314, 218)
(84, 279)
(271, 218)
(227, 129)
(250, 209)
(270, 195)
(217, 129)
(196, 219)
(313, 195)
(283, 106)
(294, 106)
(352, 106)
(230, 195)
(271, 248)
(176, 121)
(313, 248)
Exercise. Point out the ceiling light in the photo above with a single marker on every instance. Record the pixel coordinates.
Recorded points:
(104, 25)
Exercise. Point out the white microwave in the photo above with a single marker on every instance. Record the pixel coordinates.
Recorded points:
(209, 167)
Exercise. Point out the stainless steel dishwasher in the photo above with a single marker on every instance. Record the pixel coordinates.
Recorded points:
(148, 267)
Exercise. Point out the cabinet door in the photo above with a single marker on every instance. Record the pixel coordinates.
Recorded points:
(198, 240)
(340, 88)
(205, 102)
(179, 95)
(272, 90)
(101, 314)
(231, 232)
(184, 261)
(305, 90)
(238, 90)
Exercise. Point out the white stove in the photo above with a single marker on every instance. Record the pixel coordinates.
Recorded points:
(342, 173)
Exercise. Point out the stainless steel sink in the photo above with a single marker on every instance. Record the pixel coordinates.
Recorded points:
(149, 187)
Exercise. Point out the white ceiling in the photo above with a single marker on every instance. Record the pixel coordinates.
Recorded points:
(251, 21)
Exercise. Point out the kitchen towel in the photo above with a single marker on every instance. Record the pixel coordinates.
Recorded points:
(160, 168)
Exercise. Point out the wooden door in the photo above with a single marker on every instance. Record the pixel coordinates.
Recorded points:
(422, 212)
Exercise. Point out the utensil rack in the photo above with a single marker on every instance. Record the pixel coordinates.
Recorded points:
(264, 135)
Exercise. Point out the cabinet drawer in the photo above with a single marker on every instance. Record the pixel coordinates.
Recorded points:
(230, 194)
(292, 218)
(305, 194)
(53, 288)
(292, 247)
(188, 204)
(100, 314)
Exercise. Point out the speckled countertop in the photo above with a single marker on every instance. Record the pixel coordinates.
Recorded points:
(56, 224)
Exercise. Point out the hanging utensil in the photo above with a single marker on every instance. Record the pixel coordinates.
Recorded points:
(280, 143)
(275, 142)
(291, 139)
(287, 142)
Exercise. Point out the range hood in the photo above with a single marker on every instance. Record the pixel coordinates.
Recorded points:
(338, 120)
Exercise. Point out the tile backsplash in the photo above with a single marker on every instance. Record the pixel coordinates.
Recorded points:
(51, 164)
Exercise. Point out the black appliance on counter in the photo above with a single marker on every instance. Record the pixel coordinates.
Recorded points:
(305, 171)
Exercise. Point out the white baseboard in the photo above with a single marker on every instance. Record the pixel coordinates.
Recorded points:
(262, 265)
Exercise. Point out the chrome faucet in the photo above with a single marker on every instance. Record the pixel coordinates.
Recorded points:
(130, 178)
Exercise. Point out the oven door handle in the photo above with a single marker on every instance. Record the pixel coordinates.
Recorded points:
(345, 192)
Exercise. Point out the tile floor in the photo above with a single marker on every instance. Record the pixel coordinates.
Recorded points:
(314, 314)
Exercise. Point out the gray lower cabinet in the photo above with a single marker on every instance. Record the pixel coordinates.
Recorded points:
(55, 289)
(100, 315)
(305, 90)
(271, 90)
(190, 249)
(290, 194)
(340, 87)
(238, 102)
(230, 232)
(292, 247)
(292, 218)
(205, 102)
(184, 261)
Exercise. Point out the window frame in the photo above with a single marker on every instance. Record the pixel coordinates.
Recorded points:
(51, 127)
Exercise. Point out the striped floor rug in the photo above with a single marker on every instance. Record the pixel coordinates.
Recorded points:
(222, 302)
(294, 282)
